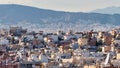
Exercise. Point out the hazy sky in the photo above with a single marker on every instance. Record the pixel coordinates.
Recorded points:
(66, 5)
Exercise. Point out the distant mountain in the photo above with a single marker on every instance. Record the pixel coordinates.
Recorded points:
(108, 10)
(35, 17)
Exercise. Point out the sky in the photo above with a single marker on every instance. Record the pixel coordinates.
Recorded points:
(66, 5)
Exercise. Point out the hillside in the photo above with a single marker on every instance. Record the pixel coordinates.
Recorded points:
(108, 10)
(14, 14)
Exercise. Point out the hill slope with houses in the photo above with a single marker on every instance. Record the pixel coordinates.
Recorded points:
(23, 15)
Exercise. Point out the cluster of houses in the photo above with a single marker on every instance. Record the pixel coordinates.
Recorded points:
(22, 49)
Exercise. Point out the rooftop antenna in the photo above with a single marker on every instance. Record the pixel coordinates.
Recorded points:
(107, 59)
(60, 26)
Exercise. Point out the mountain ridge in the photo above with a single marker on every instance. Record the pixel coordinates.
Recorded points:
(43, 18)
(108, 10)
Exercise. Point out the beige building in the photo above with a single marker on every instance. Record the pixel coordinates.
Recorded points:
(107, 39)
(83, 41)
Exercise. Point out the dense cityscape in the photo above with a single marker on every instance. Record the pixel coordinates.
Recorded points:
(20, 48)
(59, 33)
